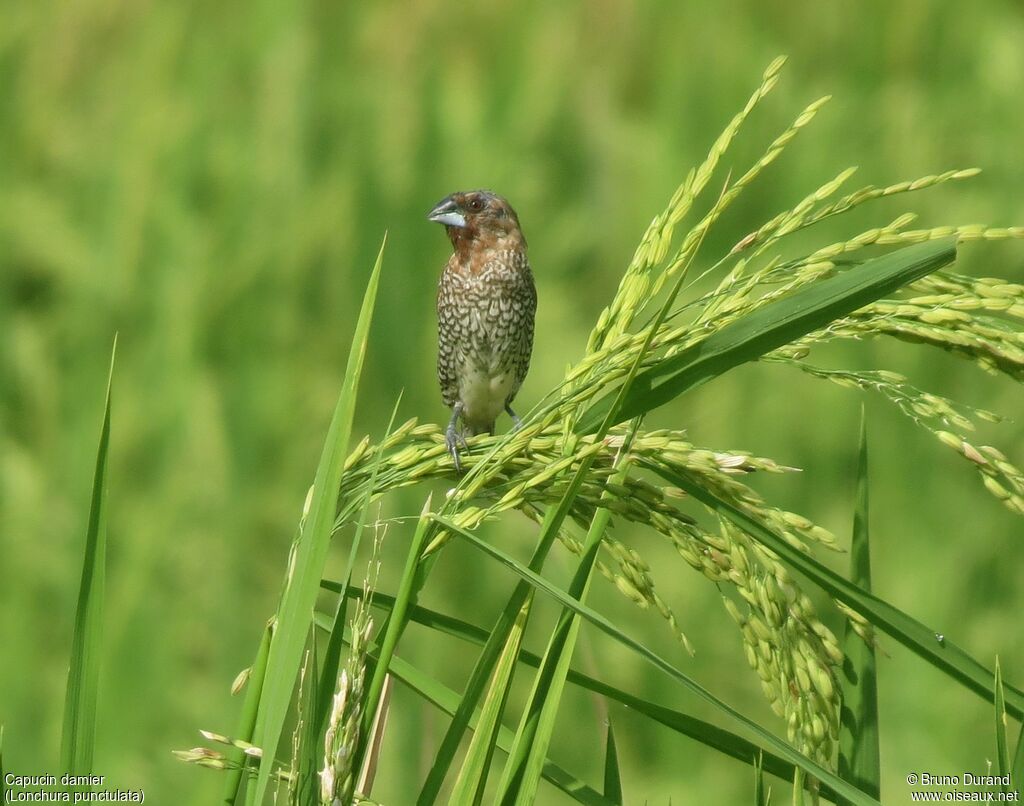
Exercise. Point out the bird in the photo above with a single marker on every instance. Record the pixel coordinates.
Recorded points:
(486, 306)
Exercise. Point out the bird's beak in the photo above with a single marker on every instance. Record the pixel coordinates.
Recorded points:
(447, 213)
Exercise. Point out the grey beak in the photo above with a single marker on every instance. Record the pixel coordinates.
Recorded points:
(447, 213)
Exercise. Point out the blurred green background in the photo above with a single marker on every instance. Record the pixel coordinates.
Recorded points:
(212, 181)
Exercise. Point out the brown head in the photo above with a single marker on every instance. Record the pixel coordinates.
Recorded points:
(478, 219)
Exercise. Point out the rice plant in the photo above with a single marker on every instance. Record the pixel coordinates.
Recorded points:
(583, 458)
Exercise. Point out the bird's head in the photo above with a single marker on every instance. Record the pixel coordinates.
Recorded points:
(477, 216)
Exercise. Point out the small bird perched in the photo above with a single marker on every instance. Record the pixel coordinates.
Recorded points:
(486, 303)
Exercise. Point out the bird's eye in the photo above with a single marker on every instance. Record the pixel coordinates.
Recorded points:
(476, 205)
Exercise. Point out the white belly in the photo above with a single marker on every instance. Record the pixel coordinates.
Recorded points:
(483, 392)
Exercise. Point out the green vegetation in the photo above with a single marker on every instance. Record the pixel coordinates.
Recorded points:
(214, 185)
(79, 733)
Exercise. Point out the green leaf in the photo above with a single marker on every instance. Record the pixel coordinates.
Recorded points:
(332, 655)
(484, 666)
(1002, 747)
(472, 778)
(612, 776)
(309, 553)
(522, 769)
(1017, 773)
(859, 757)
(79, 734)
(247, 719)
(525, 761)
(761, 794)
(932, 646)
(392, 632)
(709, 735)
(798, 788)
(776, 324)
(310, 747)
(447, 700)
(487, 659)
(768, 739)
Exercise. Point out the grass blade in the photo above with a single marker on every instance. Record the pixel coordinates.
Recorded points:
(1017, 773)
(484, 667)
(522, 770)
(448, 700)
(709, 735)
(612, 776)
(310, 747)
(775, 325)
(1002, 746)
(523, 767)
(79, 733)
(761, 795)
(933, 647)
(309, 552)
(472, 778)
(482, 670)
(393, 631)
(798, 788)
(859, 757)
(768, 739)
(247, 720)
(332, 655)
(375, 739)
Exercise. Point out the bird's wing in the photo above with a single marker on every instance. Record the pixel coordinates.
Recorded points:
(449, 329)
(526, 309)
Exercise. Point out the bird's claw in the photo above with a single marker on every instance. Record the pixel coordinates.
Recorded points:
(516, 419)
(452, 438)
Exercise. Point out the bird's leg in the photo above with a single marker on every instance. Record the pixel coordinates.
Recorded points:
(516, 420)
(452, 436)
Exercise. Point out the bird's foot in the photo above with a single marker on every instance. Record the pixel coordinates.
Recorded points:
(516, 419)
(452, 438)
